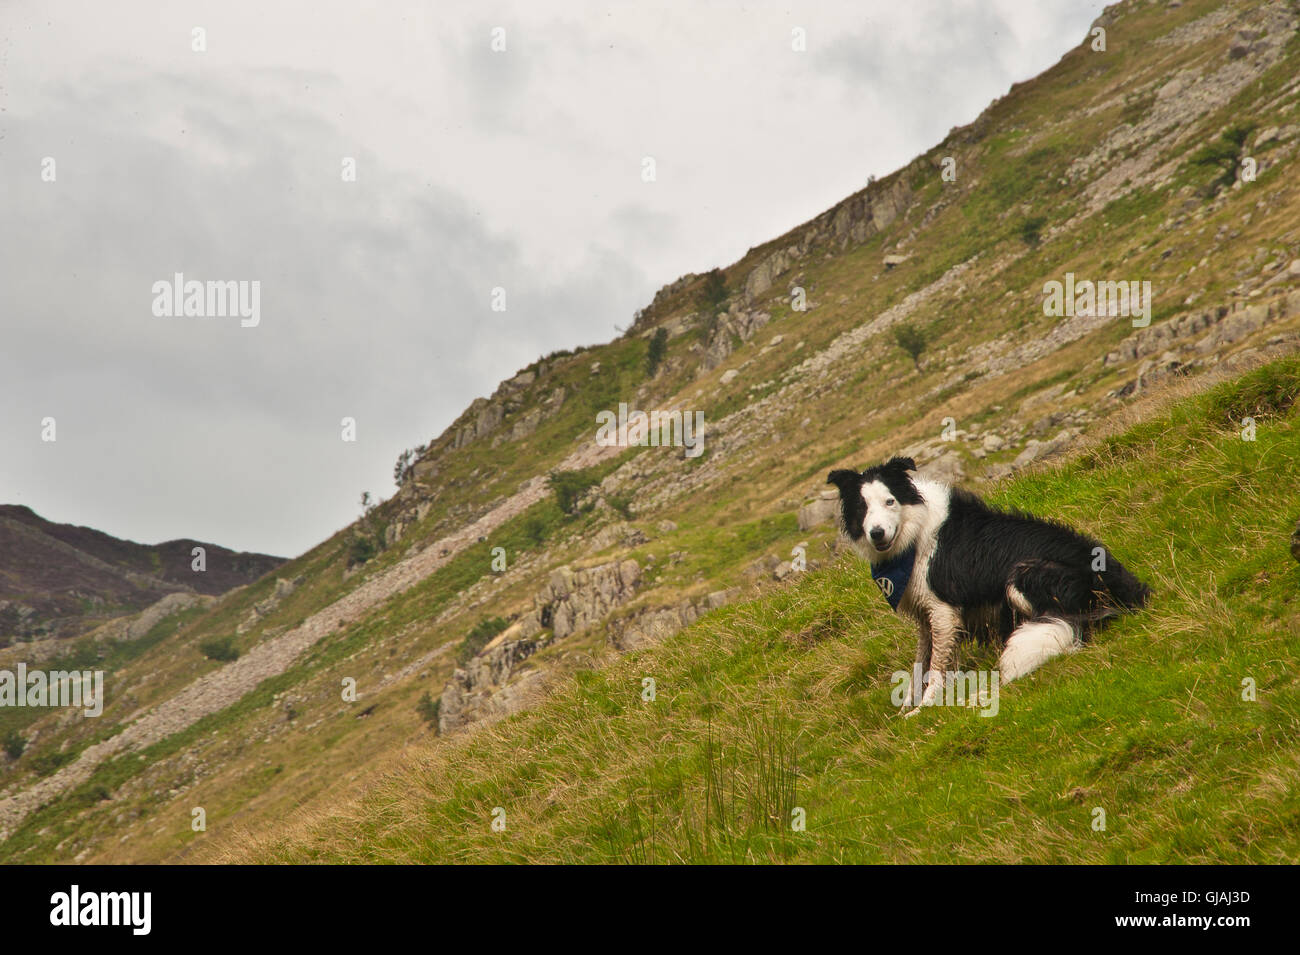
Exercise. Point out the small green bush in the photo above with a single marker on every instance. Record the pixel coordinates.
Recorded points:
(713, 293)
(479, 637)
(1031, 230)
(428, 709)
(13, 743)
(45, 764)
(361, 548)
(1223, 155)
(569, 486)
(88, 796)
(622, 503)
(368, 535)
(912, 340)
(656, 352)
(222, 649)
(405, 465)
(535, 529)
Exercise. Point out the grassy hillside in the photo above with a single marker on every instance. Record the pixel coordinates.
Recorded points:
(1111, 166)
(784, 702)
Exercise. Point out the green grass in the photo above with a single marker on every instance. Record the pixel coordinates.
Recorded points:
(782, 705)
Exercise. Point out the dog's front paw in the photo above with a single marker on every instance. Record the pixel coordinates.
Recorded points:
(931, 695)
(909, 698)
(911, 713)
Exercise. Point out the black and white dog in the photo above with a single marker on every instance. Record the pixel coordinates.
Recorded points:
(957, 566)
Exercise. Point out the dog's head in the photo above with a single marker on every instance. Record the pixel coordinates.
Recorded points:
(874, 504)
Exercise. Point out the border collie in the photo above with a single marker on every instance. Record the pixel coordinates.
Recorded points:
(957, 567)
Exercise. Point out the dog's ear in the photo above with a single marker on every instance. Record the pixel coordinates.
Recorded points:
(895, 474)
(846, 480)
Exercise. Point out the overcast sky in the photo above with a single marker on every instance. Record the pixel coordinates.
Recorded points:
(474, 169)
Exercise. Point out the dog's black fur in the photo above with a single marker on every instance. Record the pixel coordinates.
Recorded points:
(981, 550)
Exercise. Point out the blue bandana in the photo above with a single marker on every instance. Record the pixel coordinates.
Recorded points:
(892, 576)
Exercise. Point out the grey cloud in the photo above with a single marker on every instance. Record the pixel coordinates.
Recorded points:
(375, 303)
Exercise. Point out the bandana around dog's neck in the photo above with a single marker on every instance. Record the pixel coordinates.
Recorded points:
(892, 576)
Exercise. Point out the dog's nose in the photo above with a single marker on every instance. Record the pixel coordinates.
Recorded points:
(877, 534)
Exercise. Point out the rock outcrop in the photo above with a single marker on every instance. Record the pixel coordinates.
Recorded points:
(659, 623)
(736, 323)
(574, 601)
(851, 222)
(1188, 341)
(264, 608)
(491, 685)
(514, 402)
(824, 510)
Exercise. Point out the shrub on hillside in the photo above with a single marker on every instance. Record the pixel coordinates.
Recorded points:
(428, 709)
(1224, 154)
(367, 536)
(91, 794)
(912, 340)
(222, 649)
(535, 529)
(710, 301)
(570, 486)
(655, 353)
(478, 638)
(622, 503)
(1031, 230)
(49, 762)
(361, 548)
(714, 291)
(405, 465)
(13, 744)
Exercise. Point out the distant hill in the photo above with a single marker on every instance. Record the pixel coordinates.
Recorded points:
(61, 579)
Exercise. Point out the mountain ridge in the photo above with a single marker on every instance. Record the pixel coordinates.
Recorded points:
(63, 580)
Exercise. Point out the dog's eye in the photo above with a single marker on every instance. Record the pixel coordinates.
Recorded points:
(890, 503)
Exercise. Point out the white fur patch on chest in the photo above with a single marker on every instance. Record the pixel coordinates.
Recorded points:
(921, 529)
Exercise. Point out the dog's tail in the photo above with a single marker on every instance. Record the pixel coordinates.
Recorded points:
(1083, 594)
(1064, 603)
(1034, 643)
